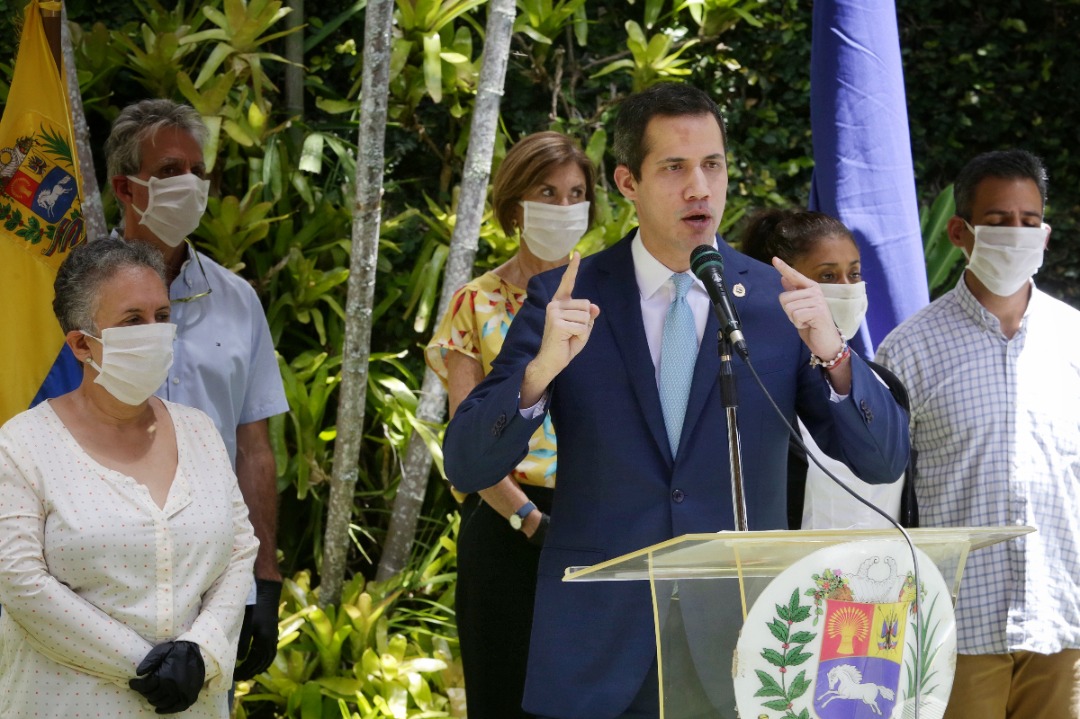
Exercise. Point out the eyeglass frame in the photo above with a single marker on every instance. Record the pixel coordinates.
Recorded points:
(209, 289)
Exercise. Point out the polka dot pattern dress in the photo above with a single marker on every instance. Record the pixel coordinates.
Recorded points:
(93, 573)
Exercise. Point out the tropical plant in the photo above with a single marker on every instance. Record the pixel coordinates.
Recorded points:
(387, 650)
(153, 53)
(944, 260)
(652, 59)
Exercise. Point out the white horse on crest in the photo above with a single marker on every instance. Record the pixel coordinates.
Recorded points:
(845, 682)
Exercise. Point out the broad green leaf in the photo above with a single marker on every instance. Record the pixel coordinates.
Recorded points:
(210, 67)
(311, 155)
(652, 12)
(433, 66)
(454, 58)
(779, 630)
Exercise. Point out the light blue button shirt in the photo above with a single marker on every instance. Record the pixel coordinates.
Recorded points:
(224, 361)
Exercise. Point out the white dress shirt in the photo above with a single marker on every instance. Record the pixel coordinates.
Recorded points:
(657, 293)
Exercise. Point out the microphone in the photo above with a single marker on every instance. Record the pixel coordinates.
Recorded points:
(708, 265)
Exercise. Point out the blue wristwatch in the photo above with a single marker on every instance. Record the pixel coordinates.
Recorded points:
(518, 518)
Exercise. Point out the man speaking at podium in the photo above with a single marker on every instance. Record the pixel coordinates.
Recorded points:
(612, 347)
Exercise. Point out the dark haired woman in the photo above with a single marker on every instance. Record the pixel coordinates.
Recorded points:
(823, 249)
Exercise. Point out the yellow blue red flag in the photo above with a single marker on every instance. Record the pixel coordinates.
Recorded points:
(40, 215)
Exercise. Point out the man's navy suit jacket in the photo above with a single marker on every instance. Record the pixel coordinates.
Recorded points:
(618, 488)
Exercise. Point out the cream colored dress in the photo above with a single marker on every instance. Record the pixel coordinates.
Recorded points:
(93, 574)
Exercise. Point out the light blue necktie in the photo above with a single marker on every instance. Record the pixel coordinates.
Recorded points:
(678, 353)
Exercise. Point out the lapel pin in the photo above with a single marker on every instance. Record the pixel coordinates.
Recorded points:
(739, 290)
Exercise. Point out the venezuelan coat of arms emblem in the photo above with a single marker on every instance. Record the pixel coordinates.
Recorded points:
(845, 633)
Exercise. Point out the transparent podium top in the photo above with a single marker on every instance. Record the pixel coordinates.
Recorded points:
(766, 554)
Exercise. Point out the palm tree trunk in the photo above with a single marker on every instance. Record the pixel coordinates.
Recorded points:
(360, 295)
(459, 267)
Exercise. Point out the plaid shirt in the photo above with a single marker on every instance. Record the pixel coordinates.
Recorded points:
(996, 423)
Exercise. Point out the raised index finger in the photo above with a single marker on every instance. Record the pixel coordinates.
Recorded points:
(566, 284)
(796, 279)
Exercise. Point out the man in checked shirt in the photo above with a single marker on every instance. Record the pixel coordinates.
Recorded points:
(993, 372)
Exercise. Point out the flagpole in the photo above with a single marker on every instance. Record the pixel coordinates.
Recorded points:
(50, 22)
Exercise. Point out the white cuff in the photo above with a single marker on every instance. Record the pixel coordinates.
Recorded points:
(537, 409)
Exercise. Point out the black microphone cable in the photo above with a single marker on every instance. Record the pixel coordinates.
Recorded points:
(911, 545)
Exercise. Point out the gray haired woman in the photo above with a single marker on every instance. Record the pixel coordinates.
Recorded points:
(125, 548)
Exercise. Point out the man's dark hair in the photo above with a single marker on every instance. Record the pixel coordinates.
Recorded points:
(1002, 164)
(665, 99)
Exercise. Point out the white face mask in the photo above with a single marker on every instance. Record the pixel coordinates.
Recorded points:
(135, 360)
(174, 206)
(848, 305)
(1005, 258)
(551, 231)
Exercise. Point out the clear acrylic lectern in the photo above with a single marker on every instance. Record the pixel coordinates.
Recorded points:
(803, 624)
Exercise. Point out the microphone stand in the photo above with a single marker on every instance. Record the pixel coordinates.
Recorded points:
(730, 397)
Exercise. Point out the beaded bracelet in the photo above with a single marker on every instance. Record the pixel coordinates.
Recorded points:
(842, 355)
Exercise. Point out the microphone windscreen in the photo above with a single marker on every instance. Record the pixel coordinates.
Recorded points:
(704, 256)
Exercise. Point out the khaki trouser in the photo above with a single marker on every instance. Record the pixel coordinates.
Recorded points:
(1021, 685)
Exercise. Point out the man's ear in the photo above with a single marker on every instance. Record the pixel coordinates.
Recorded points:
(624, 180)
(1049, 229)
(957, 231)
(121, 186)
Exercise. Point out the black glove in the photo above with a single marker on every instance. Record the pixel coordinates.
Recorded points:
(171, 676)
(259, 632)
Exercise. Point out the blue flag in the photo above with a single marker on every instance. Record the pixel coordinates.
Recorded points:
(863, 172)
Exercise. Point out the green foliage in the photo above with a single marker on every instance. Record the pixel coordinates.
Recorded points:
(653, 60)
(985, 76)
(764, 81)
(388, 650)
(792, 653)
(926, 636)
(242, 26)
(232, 225)
(944, 260)
(543, 21)
(154, 53)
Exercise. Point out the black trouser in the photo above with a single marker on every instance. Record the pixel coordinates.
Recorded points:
(495, 593)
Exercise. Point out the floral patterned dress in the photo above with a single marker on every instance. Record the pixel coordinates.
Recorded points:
(475, 325)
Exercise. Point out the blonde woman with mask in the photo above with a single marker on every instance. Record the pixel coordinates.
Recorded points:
(543, 194)
(125, 547)
(824, 250)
